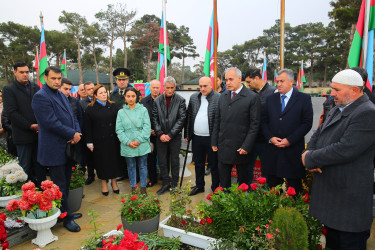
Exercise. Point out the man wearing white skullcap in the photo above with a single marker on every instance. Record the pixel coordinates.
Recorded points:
(340, 154)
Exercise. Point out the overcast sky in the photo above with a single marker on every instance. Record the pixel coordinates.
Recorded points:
(239, 20)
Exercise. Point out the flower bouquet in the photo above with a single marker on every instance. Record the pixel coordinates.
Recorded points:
(36, 204)
(12, 177)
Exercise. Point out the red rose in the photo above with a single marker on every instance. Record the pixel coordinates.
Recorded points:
(217, 189)
(266, 225)
(269, 236)
(208, 197)
(258, 228)
(291, 191)
(134, 198)
(244, 187)
(130, 210)
(119, 226)
(139, 205)
(3, 233)
(46, 184)
(5, 244)
(306, 198)
(72, 177)
(123, 200)
(45, 205)
(63, 215)
(183, 222)
(3, 217)
(156, 200)
(254, 186)
(73, 168)
(28, 186)
(320, 246)
(262, 180)
(273, 191)
(209, 220)
(324, 231)
(202, 222)
(12, 205)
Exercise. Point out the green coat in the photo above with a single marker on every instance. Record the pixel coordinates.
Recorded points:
(127, 132)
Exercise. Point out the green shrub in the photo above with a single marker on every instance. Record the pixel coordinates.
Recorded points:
(293, 233)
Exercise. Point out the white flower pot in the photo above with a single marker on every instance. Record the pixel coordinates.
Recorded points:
(43, 227)
(193, 239)
(4, 200)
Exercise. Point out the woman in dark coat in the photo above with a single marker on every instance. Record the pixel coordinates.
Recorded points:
(101, 138)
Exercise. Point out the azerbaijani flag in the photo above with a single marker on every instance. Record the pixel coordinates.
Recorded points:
(264, 70)
(160, 75)
(63, 66)
(208, 68)
(43, 64)
(36, 66)
(355, 53)
(275, 77)
(301, 79)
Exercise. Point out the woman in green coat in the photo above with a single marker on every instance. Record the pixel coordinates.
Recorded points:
(133, 129)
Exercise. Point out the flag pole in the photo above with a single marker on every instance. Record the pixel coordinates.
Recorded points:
(215, 45)
(282, 31)
(365, 34)
(165, 37)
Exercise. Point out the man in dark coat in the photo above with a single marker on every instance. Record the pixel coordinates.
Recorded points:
(287, 118)
(57, 127)
(254, 81)
(199, 127)
(66, 87)
(168, 118)
(17, 98)
(235, 129)
(148, 102)
(122, 81)
(340, 154)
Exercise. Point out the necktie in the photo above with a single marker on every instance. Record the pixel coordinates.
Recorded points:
(121, 93)
(283, 102)
(233, 94)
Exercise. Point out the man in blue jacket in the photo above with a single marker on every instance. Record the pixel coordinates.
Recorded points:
(57, 128)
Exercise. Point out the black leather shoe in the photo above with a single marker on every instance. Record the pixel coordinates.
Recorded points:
(163, 189)
(72, 226)
(76, 216)
(195, 191)
(151, 183)
(89, 180)
(208, 171)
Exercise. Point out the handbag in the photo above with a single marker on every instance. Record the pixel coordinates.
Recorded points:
(73, 152)
(151, 144)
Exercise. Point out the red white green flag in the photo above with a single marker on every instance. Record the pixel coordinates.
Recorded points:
(301, 79)
(63, 66)
(43, 64)
(36, 66)
(160, 72)
(208, 68)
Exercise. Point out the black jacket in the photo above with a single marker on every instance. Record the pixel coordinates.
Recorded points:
(148, 103)
(77, 110)
(172, 124)
(84, 103)
(193, 108)
(17, 105)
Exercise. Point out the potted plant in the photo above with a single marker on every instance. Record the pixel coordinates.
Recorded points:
(12, 177)
(184, 223)
(40, 209)
(77, 182)
(140, 213)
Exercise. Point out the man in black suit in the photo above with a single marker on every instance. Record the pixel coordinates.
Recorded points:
(17, 98)
(287, 118)
(235, 129)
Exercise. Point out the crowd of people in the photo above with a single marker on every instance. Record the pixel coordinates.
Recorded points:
(123, 135)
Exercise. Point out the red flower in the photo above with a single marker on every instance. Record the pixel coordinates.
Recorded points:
(262, 180)
(306, 198)
(266, 225)
(202, 222)
(258, 228)
(291, 191)
(244, 187)
(3, 216)
(46, 184)
(34, 197)
(183, 222)
(12, 205)
(134, 198)
(58, 194)
(130, 210)
(73, 168)
(270, 221)
(49, 194)
(72, 176)
(277, 230)
(254, 186)
(136, 186)
(123, 200)
(139, 205)
(28, 186)
(63, 215)
(324, 231)
(273, 191)
(320, 246)
(5, 244)
(208, 197)
(23, 204)
(209, 220)
(45, 205)
(18, 221)
(156, 200)
(269, 236)
(3, 233)
(119, 226)
(217, 189)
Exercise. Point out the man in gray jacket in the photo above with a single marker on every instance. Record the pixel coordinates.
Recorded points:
(341, 154)
(168, 118)
(199, 126)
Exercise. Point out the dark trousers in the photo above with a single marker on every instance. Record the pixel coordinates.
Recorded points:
(90, 163)
(173, 146)
(201, 148)
(60, 175)
(340, 240)
(151, 166)
(259, 149)
(225, 173)
(273, 181)
(27, 158)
